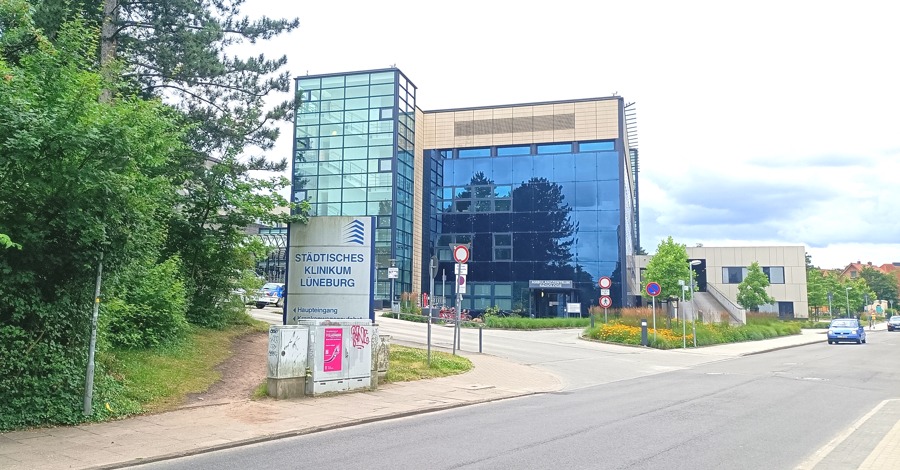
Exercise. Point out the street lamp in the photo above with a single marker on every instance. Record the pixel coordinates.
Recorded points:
(693, 263)
(847, 293)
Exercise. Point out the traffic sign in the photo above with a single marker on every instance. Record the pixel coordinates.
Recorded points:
(460, 284)
(461, 253)
(604, 291)
(653, 289)
(393, 273)
(605, 301)
(605, 282)
(459, 268)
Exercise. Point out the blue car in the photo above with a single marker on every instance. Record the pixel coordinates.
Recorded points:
(846, 329)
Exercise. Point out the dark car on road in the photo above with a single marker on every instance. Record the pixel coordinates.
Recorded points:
(894, 323)
(846, 329)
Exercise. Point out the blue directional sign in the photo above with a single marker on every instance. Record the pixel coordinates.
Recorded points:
(653, 289)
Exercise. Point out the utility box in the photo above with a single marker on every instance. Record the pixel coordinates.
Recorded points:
(340, 355)
(287, 361)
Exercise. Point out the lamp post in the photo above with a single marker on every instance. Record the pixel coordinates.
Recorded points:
(847, 294)
(693, 306)
(683, 316)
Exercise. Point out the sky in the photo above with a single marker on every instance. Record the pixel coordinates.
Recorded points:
(769, 123)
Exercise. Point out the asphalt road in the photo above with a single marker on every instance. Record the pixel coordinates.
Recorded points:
(770, 411)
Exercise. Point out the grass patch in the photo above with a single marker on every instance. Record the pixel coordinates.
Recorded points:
(408, 364)
(262, 391)
(160, 379)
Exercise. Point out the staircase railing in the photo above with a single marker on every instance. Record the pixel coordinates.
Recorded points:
(737, 313)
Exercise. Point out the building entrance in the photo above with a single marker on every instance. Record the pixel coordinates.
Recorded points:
(549, 298)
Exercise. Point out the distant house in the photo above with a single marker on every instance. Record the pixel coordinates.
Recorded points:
(854, 270)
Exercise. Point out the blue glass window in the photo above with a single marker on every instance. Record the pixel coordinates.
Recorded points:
(333, 82)
(470, 153)
(554, 148)
(382, 77)
(564, 168)
(596, 146)
(517, 150)
(362, 79)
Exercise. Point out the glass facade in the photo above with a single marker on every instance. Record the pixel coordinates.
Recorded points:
(545, 212)
(354, 145)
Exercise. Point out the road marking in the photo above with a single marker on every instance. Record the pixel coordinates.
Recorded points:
(820, 454)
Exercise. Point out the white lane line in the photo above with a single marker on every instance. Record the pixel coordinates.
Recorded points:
(820, 454)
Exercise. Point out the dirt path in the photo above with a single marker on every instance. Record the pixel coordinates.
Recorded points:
(242, 373)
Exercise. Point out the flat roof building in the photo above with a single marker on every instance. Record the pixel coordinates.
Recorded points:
(545, 194)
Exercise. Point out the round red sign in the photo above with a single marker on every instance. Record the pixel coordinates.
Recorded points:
(461, 254)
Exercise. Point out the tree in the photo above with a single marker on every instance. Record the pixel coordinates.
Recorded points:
(77, 177)
(816, 290)
(884, 286)
(752, 290)
(667, 267)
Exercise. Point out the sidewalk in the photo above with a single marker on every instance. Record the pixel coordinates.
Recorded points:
(206, 428)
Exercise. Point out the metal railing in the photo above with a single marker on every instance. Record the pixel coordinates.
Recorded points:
(737, 313)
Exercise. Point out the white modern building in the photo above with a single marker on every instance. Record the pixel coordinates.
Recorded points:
(721, 269)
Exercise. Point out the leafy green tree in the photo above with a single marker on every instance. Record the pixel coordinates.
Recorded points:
(752, 290)
(816, 290)
(884, 286)
(77, 177)
(667, 267)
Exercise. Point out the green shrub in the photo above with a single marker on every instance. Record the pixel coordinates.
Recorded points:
(152, 310)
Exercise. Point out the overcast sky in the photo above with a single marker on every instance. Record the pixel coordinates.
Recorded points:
(773, 123)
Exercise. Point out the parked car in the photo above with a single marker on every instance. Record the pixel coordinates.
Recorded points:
(894, 323)
(272, 293)
(846, 329)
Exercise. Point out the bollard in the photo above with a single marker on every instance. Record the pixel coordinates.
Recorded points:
(644, 341)
(592, 320)
(480, 335)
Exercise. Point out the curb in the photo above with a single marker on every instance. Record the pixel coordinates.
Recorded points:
(303, 432)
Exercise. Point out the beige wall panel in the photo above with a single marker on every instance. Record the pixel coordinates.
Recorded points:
(608, 110)
(500, 113)
(484, 140)
(542, 109)
(418, 185)
(466, 115)
(523, 111)
(483, 114)
(563, 108)
(564, 135)
(463, 142)
(586, 135)
(503, 139)
(521, 138)
(607, 133)
(543, 137)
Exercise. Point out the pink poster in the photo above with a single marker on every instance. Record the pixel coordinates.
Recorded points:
(334, 339)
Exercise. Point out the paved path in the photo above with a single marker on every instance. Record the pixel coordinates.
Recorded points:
(207, 428)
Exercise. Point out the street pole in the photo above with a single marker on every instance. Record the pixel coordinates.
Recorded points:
(683, 316)
(89, 379)
(693, 311)
(443, 288)
(847, 293)
(654, 319)
(432, 269)
(830, 309)
(393, 265)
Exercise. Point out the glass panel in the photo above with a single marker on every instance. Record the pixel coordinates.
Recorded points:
(382, 77)
(356, 140)
(308, 118)
(332, 117)
(354, 153)
(354, 167)
(356, 116)
(332, 94)
(354, 195)
(328, 195)
(330, 142)
(517, 150)
(307, 131)
(564, 168)
(381, 179)
(381, 101)
(332, 82)
(502, 205)
(308, 83)
(381, 139)
(386, 89)
(381, 126)
(379, 194)
(384, 165)
(353, 208)
(356, 103)
(543, 166)
(503, 239)
(522, 169)
(554, 148)
(356, 92)
(607, 166)
(333, 105)
(386, 113)
(332, 129)
(356, 128)
(381, 152)
(596, 146)
(469, 153)
(359, 79)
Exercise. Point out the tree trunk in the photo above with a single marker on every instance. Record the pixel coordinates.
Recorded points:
(108, 47)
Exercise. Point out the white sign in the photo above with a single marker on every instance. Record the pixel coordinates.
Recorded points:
(604, 291)
(460, 284)
(331, 269)
(461, 269)
(605, 282)
(393, 273)
(605, 301)
(573, 307)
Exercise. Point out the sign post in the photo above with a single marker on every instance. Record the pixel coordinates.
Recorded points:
(461, 256)
(394, 273)
(653, 290)
(605, 302)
